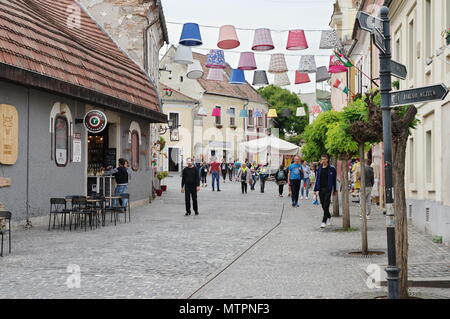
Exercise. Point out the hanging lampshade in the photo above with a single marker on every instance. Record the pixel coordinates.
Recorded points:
(190, 36)
(315, 110)
(183, 55)
(286, 113)
(216, 112)
(202, 112)
(231, 112)
(322, 74)
(297, 40)
(272, 114)
(216, 59)
(195, 70)
(243, 113)
(215, 75)
(307, 64)
(228, 38)
(329, 40)
(237, 77)
(247, 61)
(341, 86)
(301, 78)
(257, 113)
(263, 40)
(281, 79)
(278, 63)
(260, 78)
(301, 111)
(336, 65)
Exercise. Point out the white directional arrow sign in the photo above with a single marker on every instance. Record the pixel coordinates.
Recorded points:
(369, 23)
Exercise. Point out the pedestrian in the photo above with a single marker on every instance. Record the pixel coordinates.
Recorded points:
(370, 181)
(294, 178)
(281, 178)
(204, 174)
(190, 185)
(230, 170)
(289, 185)
(244, 176)
(253, 171)
(312, 179)
(215, 173)
(305, 185)
(237, 167)
(224, 169)
(325, 186)
(122, 175)
(263, 173)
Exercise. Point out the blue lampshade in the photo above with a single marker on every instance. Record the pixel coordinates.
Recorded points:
(258, 113)
(244, 113)
(190, 36)
(237, 77)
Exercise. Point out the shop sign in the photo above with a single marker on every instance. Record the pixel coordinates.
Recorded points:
(95, 121)
(9, 134)
(77, 148)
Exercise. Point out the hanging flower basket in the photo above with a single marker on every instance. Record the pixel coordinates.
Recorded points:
(159, 192)
(446, 35)
(448, 38)
(164, 188)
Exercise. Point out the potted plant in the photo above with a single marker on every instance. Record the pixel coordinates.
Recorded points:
(161, 176)
(446, 35)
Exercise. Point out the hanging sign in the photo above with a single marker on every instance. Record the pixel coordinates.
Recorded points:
(367, 22)
(9, 134)
(399, 70)
(95, 121)
(419, 95)
(379, 40)
(77, 148)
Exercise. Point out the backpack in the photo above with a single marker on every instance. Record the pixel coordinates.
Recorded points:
(281, 175)
(244, 176)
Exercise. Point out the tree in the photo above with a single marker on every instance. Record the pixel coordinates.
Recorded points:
(281, 99)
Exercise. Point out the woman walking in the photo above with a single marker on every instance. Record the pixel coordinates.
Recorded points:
(253, 171)
(281, 179)
(204, 174)
(245, 176)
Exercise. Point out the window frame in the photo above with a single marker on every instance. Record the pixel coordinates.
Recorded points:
(61, 116)
(132, 155)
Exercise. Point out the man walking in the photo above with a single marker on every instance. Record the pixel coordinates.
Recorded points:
(215, 173)
(305, 180)
(370, 181)
(224, 168)
(263, 173)
(325, 186)
(190, 185)
(295, 177)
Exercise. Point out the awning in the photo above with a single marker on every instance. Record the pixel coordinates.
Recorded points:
(270, 144)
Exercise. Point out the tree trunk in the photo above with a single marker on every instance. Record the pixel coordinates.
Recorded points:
(362, 202)
(401, 225)
(336, 197)
(345, 196)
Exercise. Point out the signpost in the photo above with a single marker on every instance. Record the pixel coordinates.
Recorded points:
(367, 22)
(379, 40)
(419, 95)
(399, 70)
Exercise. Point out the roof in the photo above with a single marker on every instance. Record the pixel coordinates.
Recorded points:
(38, 47)
(243, 91)
(175, 96)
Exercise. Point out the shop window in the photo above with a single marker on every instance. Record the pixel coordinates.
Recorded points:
(135, 150)
(61, 140)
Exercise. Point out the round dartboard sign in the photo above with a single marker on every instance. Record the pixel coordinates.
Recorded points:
(95, 121)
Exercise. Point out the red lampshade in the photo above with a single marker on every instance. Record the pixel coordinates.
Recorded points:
(301, 78)
(216, 112)
(297, 40)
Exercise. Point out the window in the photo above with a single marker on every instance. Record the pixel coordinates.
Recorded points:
(411, 160)
(429, 156)
(232, 117)
(250, 118)
(134, 150)
(219, 118)
(61, 140)
(261, 121)
(181, 79)
(428, 29)
(411, 49)
(448, 14)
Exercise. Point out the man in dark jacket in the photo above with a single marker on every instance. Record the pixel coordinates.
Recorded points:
(325, 186)
(190, 185)
(122, 175)
(370, 181)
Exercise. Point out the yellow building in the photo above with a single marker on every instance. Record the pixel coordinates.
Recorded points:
(417, 42)
(205, 137)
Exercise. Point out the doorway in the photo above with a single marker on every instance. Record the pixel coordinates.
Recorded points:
(174, 159)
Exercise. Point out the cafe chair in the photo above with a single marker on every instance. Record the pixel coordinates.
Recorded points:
(58, 208)
(7, 216)
(80, 212)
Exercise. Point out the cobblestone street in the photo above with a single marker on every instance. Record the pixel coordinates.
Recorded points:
(163, 254)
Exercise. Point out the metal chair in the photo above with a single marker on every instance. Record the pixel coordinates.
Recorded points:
(7, 216)
(58, 206)
(79, 210)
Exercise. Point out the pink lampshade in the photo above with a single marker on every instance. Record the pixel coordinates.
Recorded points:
(215, 75)
(247, 61)
(216, 112)
(336, 65)
(263, 40)
(228, 38)
(301, 78)
(297, 40)
(278, 63)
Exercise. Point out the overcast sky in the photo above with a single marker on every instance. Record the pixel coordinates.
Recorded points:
(272, 14)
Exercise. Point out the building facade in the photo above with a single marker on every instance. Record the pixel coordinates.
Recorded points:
(418, 43)
(205, 137)
(53, 72)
